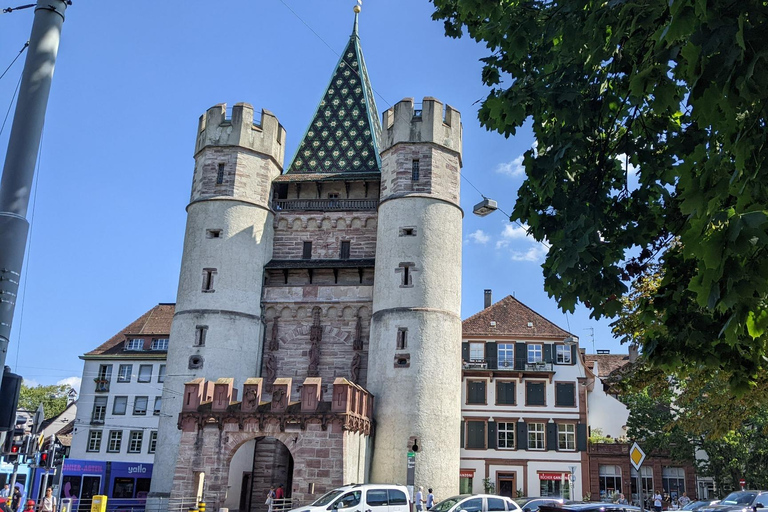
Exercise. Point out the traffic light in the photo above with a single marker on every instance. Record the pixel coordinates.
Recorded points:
(14, 441)
(44, 461)
(9, 399)
(59, 453)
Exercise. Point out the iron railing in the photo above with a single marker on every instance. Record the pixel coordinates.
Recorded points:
(325, 204)
(491, 363)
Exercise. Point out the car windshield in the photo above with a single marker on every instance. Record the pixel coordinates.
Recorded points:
(521, 501)
(326, 498)
(446, 504)
(739, 498)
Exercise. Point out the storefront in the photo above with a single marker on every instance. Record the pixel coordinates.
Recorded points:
(555, 484)
(466, 476)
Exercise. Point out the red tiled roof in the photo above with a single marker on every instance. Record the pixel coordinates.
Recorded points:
(155, 322)
(512, 318)
(606, 363)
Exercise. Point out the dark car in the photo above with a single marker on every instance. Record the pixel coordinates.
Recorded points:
(533, 504)
(739, 501)
(696, 505)
(596, 506)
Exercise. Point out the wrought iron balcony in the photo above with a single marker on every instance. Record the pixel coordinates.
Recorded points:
(541, 366)
(476, 364)
(102, 385)
(325, 204)
(506, 364)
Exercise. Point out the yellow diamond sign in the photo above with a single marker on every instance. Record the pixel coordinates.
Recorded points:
(636, 456)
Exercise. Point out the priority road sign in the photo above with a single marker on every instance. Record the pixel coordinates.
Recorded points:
(636, 456)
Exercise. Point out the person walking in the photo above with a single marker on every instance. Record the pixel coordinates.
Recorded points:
(48, 503)
(6, 491)
(683, 500)
(270, 498)
(279, 498)
(430, 499)
(420, 499)
(657, 501)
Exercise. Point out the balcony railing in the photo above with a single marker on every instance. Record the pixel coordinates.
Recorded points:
(102, 385)
(493, 363)
(325, 204)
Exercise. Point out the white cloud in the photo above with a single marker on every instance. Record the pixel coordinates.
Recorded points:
(30, 383)
(512, 169)
(73, 382)
(515, 232)
(627, 165)
(502, 243)
(534, 254)
(480, 237)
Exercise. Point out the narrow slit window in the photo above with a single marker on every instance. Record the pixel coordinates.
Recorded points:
(306, 253)
(208, 274)
(406, 276)
(220, 174)
(402, 338)
(200, 332)
(415, 170)
(213, 233)
(345, 250)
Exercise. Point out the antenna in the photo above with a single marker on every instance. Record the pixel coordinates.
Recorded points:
(592, 334)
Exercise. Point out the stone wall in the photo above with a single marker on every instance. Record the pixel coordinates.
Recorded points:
(438, 172)
(326, 231)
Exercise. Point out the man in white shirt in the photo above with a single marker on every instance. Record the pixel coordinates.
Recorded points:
(657, 501)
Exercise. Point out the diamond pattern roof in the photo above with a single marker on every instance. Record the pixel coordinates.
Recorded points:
(345, 131)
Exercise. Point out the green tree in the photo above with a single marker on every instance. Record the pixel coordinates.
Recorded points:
(53, 398)
(675, 90)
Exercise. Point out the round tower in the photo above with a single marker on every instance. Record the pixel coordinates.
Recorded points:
(415, 344)
(217, 327)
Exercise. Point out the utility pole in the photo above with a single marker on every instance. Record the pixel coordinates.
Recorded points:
(21, 157)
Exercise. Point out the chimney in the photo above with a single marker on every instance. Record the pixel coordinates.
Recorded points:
(488, 299)
(634, 352)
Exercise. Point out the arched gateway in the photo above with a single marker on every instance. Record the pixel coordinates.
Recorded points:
(321, 444)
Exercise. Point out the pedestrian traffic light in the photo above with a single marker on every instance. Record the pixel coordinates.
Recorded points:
(14, 441)
(44, 461)
(9, 399)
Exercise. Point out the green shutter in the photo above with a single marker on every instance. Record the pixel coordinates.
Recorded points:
(547, 353)
(565, 394)
(574, 353)
(465, 351)
(535, 393)
(522, 435)
(491, 354)
(491, 435)
(521, 355)
(581, 437)
(461, 437)
(551, 436)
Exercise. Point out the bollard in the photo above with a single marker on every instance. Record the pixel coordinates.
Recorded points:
(201, 506)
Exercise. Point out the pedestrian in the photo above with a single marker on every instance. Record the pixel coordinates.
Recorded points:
(5, 492)
(430, 499)
(657, 501)
(279, 498)
(48, 504)
(16, 499)
(622, 499)
(270, 498)
(420, 499)
(683, 500)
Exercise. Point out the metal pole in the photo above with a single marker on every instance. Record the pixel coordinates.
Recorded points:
(21, 157)
(640, 487)
(13, 478)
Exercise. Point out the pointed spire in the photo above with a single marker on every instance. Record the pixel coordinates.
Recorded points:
(344, 134)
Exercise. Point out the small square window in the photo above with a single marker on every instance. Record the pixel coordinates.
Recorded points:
(115, 439)
(562, 354)
(535, 354)
(124, 373)
(94, 441)
(160, 344)
(333, 195)
(120, 405)
(536, 436)
(134, 446)
(407, 231)
(566, 437)
(140, 405)
(212, 233)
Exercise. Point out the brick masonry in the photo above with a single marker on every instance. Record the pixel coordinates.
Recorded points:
(438, 172)
(326, 231)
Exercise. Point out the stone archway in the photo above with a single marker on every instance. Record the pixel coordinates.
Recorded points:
(255, 466)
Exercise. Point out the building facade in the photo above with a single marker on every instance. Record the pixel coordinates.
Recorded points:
(524, 404)
(310, 298)
(121, 392)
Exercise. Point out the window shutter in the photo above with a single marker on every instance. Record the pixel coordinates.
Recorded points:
(547, 353)
(535, 393)
(465, 352)
(551, 436)
(521, 355)
(581, 437)
(481, 396)
(522, 435)
(491, 435)
(461, 437)
(491, 354)
(564, 394)
(574, 353)
(501, 392)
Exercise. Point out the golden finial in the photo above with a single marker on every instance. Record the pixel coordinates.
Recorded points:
(358, 7)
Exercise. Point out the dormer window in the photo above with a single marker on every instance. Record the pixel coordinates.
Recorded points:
(160, 344)
(134, 344)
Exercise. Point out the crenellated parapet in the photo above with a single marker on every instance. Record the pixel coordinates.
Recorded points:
(215, 402)
(216, 129)
(432, 123)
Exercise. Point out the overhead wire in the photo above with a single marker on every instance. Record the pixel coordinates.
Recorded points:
(26, 45)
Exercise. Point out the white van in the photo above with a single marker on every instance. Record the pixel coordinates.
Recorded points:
(362, 498)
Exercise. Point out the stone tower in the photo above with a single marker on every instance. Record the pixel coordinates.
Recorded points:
(228, 241)
(414, 351)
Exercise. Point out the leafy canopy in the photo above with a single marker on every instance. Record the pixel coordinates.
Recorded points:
(53, 398)
(674, 91)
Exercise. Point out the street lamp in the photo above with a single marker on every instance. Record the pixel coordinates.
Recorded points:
(485, 207)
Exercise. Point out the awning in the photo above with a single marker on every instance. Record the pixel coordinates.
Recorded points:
(466, 473)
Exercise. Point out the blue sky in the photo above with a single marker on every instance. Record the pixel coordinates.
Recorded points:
(116, 163)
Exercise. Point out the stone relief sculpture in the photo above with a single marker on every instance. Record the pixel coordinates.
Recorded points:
(358, 343)
(315, 337)
(270, 370)
(354, 371)
(274, 343)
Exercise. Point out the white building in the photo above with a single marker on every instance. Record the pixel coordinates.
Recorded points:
(524, 404)
(120, 395)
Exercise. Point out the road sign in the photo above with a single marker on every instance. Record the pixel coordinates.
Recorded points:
(636, 456)
(742, 482)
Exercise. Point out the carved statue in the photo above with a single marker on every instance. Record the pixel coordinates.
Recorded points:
(354, 371)
(315, 337)
(274, 343)
(250, 398)
(270, 369)
(358, 343)
(278, 395)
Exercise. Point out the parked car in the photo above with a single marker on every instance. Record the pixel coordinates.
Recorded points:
(739, 501)
(595, 506)
(533, 504)
(362, 497)
(696, 505)
(476, 503)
